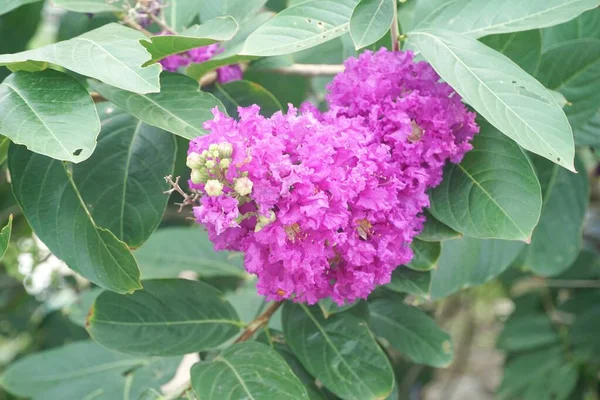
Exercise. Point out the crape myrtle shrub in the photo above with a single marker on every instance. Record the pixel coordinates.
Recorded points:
(293, 194)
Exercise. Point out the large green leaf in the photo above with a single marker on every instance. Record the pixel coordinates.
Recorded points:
(53, 206)
(248, 370)
(500, 91)
(557, 239)
(299, 27)
(493, 193)
(340, 351)
(78, 311)
(9, 5)
(189, 249)
(122, 183)
(573, 69)
(527, 332)
(111, 54)
(412, 332)
(585, 332)
(50, 113)
(587, 25)
(167, 317)
(244, 94)
(5, 236)
(478, 18)
(215, 30)
(435, 231)
(86, 370)
(180, 13)
(469, 262)
(524, 48)
(238, 9)
(91, 6)
(370, 21)
(180, 107)
(405, 280)
(231, 49)
(426, 255)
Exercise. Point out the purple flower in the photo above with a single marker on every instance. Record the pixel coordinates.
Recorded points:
(229, 73)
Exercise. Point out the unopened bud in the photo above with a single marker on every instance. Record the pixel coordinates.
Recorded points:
(243, 186)
(262, 221)
(214, 154)
(224, 163)
(194, 161)
(213, 187)
(225, 150)
(210, 164)
(213, 147)
(199, 175)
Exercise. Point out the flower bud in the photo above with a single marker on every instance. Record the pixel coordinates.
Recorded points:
(213, 187)
(225, 150)
(210, 164)
(195, 161)
(199, 175)
(243, 186)
(262, 221)
(213, 147)
(224, 163)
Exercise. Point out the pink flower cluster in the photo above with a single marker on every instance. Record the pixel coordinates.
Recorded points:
(225, 74)
(327, 204)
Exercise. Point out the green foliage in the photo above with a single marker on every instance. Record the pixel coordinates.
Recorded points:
(370, 20)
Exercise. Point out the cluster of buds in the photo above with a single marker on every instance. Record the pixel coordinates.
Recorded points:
(144, 10)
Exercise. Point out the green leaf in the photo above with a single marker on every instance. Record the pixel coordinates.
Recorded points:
(300, 27)
(524, 48)
(180, 13)
(111, 54)
(91, 6)
(370, 21)
(213, 31)
(189, 249)
(247, 370)
(405, 280)
(244, 94)
(86, 370)
(180, 107)
(412, 332)
(238, 9)
(503, 17)
(435, 231)
(426, 255)
(589, 134)
(573, 69)
(78, 311)
(73, 24)
(587, 25)
(122, 183)
(469, 262)
(527, 332)
(340, 351)
(8, 5)
(246, 301)
(5, 236)
(510, 99)
(167, 317)
(49, 112)
(329, 307)
(231, 48)
(493, 193)
(55, 210)
(584, 334)
(557, 239)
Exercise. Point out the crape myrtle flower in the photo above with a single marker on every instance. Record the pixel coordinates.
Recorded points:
(327, 204)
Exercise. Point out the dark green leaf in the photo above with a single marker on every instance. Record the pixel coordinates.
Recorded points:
(5, 236)
(8, 5)
(246, 371)
(435, 231)
(180, 107)
(370, 21)
(122, 183)
(557, 239)
(166, 317)
(213, 31)
(405, 280)
(91, 6)
(111, 54)
(301, 26)
(329, 307)
(73, 24)
(504, 94)
(493, 193)
(244, 94)
(469, 262)
(340, 351)
(170, 251)
(238, 9)
(527, 332)
(180, 13)
(246, 301)
(587, 25)
(53, 206)
(426, 255)
(50, 113)
(585, 332)
(86, 370)
(524, 48)
(412, 332)
(78, 311)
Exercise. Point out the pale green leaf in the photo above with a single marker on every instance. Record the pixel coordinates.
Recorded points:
(244, 94)
(238, 9)
(111, 54)
(167, 317)
(587, 25)
(509, 98)
(9, 5)
(370, 21)
(78, 311)
(50, 113)
(91, 6)
(180, 13)
(5, 236)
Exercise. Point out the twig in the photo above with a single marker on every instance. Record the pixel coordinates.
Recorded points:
(308, 69)
(187, 199)
(258, 322)
(136, 26)
(395, 30)
(162, 24)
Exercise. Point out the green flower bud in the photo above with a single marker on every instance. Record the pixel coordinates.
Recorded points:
(199, 175)
(210, 164)
(213, 187)
(194, 161)
(224, 163)
(243, 186)
(262, 221)
(213, 147)
(225, 150)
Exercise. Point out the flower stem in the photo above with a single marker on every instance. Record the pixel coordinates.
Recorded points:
(395, 30)
(259, 322)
